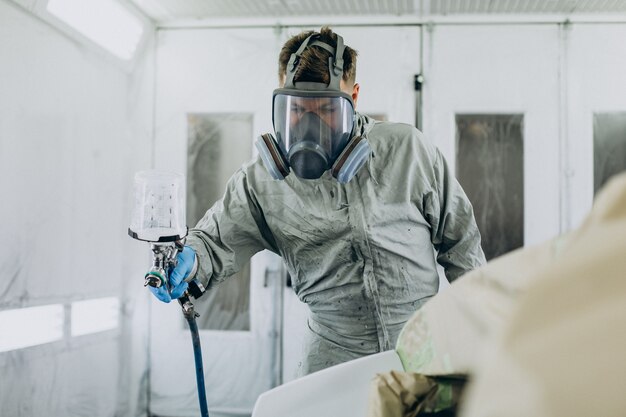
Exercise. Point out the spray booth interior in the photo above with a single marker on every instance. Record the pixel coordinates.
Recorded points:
(525, 99)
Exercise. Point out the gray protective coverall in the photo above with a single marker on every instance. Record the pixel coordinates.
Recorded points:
(360, 254)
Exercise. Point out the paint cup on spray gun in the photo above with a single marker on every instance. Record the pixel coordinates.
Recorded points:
(158, 217)
(159, 207)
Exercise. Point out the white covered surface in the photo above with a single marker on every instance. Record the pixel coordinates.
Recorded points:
(72, 133)
(339, 391)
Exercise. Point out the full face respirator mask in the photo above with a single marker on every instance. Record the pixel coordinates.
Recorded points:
(314, 124)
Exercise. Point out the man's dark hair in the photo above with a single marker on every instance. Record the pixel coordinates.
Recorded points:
(313, 65)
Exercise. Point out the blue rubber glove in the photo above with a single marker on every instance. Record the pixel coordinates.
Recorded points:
(184, 266)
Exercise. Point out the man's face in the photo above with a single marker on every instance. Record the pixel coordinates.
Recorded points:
(327, 121)
(325, 108)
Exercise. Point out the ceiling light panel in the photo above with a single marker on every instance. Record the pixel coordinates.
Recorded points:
(105, 22)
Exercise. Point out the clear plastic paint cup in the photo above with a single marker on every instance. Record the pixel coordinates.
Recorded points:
(158, 213)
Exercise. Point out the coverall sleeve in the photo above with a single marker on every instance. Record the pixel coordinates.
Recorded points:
(230, 232)
(454, 232)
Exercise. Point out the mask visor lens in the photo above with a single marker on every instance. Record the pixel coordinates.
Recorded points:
(323, 123)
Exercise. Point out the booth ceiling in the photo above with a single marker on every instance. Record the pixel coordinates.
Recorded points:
(164, 11)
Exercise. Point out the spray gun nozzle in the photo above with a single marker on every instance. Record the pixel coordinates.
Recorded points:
(154, 279)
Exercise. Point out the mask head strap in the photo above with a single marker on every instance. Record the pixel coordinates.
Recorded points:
(335, 61)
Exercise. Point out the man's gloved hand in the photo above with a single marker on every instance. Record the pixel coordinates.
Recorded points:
(184, 266)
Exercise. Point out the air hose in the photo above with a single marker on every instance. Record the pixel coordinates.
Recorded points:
(164, 259)
(190, 315)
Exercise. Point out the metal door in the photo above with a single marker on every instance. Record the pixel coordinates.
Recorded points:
(595, 64)
(497, 88)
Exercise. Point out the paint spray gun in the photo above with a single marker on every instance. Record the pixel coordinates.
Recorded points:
(163, 261)
(159, 218)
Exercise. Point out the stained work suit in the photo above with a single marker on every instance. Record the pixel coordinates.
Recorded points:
(360, 254)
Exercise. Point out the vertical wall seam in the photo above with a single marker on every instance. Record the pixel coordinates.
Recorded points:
(565, 172)
(419, 111)
(154, 98)
(153, 166)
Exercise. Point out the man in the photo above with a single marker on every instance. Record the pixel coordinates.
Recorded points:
(353, 206)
